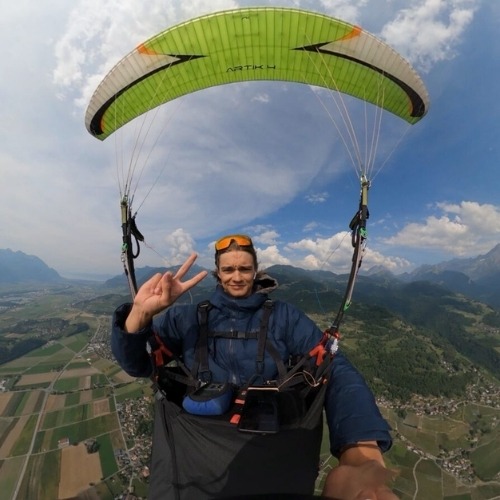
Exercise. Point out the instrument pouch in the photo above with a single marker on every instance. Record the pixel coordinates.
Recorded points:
(210, 399)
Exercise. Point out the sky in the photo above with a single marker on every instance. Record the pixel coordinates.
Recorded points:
(263, 158)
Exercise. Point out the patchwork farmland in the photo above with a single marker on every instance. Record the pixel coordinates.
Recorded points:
(50, 417)
(73, 423)
(60, 433)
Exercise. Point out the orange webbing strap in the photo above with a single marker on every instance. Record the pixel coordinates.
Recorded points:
(320, 350)
(160, 352)
(331, 344)
(324, 353)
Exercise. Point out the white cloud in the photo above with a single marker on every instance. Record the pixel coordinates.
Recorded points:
(270, 256)
(264, 98)
(180, 245)
(317, 197)
(430, 30)
(350, 10)
(311, 226)
(267, 237)
(98, 34)
(463, 229)
(334, 252)
(394, 264)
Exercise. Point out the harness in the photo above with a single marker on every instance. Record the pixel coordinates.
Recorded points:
(303, 375)
(229, 462)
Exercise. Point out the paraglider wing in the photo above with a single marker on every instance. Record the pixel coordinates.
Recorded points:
(259, 43)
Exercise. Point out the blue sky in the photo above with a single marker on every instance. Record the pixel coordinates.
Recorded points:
(262, 158)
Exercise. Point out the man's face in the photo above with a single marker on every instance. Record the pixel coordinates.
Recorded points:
(236, 272)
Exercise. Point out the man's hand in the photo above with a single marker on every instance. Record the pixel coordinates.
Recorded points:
(360, 475)
(160, 292)
(359, 482)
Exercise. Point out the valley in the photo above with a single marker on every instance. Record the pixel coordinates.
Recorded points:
(67, 401)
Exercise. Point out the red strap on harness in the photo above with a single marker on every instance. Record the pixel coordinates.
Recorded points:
(319, 350)
(161, 352)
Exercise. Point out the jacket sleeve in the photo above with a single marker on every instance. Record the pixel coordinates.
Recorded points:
(129, 349)
(351, 411)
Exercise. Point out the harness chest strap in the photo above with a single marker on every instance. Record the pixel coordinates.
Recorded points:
(201, 369)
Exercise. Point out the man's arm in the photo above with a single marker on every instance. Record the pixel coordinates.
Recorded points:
(358, 436)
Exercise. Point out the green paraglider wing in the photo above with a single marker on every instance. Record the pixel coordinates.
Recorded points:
(256, 44)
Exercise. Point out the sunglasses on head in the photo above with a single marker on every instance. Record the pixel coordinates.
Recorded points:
(241, 239)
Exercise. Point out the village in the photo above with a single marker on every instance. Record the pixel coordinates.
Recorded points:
(454, 461)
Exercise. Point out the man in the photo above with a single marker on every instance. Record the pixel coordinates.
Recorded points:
(241, 346)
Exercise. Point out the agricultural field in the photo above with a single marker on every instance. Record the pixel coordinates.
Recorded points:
(440, 456)
(68, 406)
(421, 475)
(57, 415)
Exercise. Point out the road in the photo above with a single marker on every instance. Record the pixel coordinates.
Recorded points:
(48, 391)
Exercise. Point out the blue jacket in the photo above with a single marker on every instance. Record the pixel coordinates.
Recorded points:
(351, 411)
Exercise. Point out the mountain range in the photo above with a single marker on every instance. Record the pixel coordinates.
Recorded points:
(18, 267)
(476, 277)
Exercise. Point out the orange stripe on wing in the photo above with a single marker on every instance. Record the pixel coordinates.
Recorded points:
(356, 31)
(142, 49)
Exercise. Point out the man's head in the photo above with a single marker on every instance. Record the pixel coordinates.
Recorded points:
(236, 264)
